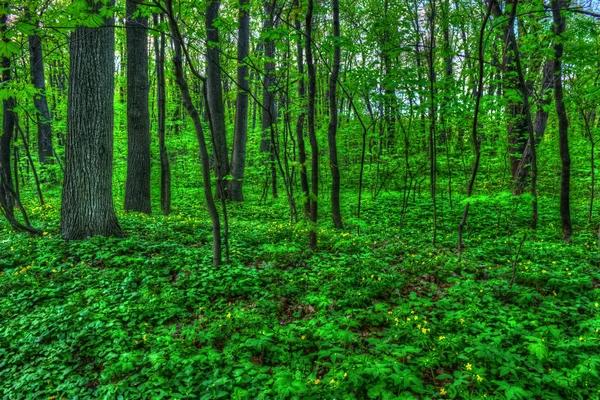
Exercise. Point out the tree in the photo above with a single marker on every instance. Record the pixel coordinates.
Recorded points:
(38, 77)
(137, 186)
(214, 90)
(563, 124)
(240, 134)
(165, 167)
(312, 134)
(333, 120)
(87, 202)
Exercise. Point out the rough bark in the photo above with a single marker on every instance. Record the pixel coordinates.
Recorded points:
(312, 135)
(165, 167)
(267, 147)
(240, 134)
(45, 150)
(300, 123)
(87, 202)
(137, 185)
(336, 214)
(214, 89)
(563, 123)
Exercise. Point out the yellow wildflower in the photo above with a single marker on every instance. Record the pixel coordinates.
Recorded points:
(443, 391)
(317, 381)
(469, 366)
(480, 379)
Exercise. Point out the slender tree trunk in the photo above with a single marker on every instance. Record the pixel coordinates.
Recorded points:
(45, 150)
(214, 90)
(87, 202)
(269, 111)
(474, 137)
(7, 201)
(240, 135)
(312, 135)
(333, 121)
(165, 167)
(300, 123)
(137, 186)
(432, 119)
(193, 113)
(563, 123)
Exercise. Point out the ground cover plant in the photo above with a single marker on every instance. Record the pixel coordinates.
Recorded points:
(379, 314)
(341, 199)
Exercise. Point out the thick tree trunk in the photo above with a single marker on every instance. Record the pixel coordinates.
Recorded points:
(87, 202)
(215, 98)
(312, 135)
(563, 123)
(45, 150)
(165, 167)
(333, 121)
(240, 134)
(137, 186)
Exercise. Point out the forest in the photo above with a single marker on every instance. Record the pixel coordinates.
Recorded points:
(299, 199)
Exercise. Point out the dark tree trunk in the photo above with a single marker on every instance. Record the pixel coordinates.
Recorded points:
(87, 202)
(7, 201)
(267, 145)
(215, 98)
(45, 151)
(432, 118)
(333, 121)
(563, 123)
(165, 167)
(193, 113)
(312, 135)
(474, 136)
(300, 124)
(240, 135)
(137, 186)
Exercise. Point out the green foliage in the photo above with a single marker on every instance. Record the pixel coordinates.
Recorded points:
(372, 315)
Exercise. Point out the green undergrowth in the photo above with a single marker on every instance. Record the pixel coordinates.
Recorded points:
(378, 312)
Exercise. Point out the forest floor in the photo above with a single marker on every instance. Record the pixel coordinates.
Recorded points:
(379, 314)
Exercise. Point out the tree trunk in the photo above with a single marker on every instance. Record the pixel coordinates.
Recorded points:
(312, 135)
(165, 167)
(193, 113)
(87, 202)
(45, 151)
(215, 98)
(563, 123)
(240, 135)
(137, 186)
(333, 120)
(267, 145)
(300, 123)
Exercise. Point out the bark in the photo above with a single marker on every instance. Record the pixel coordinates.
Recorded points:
(193, 113)
(165, 167)
(300, 123)
(539, 126)
(267, 145)
(333, 121)
(474, 136)
(432, 119)
(137, 186)
(312, 135)
(45, 150)
(214, 89)
(563, 123)
(87, 202)
(240, 134)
